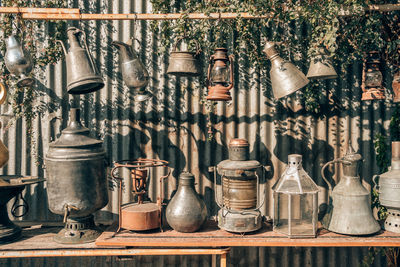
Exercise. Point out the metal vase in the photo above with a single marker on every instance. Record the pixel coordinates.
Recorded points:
(285, 77)
(82, 74)
(18, 61)
(349, 208)
(388, 188)
(186, 212)
(133, 71)
(76, 181)
(184, 63)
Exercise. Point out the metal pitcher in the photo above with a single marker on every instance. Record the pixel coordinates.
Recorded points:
(349, 208)
(18, 61)
(82, 74)
(133, 71)
(184, 63)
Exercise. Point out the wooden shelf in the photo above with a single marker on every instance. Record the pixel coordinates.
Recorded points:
(211, 235)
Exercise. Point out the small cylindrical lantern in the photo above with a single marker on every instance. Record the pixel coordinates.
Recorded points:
(239, 208)
(295, 201)
(372, 78)
(220, 75)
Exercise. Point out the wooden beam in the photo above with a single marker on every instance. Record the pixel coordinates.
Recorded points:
(74, 14)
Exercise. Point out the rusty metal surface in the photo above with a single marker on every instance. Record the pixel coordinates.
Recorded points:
(173, 126)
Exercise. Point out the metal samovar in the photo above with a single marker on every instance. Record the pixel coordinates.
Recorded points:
(389, 190)
(76, 181)
(143, 214)
(349, 208)
(239, 211)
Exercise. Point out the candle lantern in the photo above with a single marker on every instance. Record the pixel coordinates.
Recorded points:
(295, 201)
(285, 77)
(143, 214)
(220, 76)
(239, 208)
(372, 78)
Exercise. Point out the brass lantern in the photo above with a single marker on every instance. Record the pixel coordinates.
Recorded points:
(372, 78)
(295, 201)
(220, 76)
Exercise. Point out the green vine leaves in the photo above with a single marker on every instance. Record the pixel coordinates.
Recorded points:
(343, 28)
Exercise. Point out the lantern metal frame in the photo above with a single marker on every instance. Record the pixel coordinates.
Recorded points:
(290, 195)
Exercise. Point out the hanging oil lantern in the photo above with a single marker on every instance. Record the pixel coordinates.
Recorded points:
(349, 208)
(372, 78)
(76, 181)
(295, 201)
(141, 215)
(220, 76)
(239, 209)
(389, 190)
(285, 77)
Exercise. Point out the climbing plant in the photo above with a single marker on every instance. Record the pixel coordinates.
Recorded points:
(38, 39)
(343, 28)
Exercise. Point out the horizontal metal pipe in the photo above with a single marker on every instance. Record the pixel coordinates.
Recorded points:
(74, 14)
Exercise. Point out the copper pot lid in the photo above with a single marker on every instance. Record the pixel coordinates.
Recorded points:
(237, 142)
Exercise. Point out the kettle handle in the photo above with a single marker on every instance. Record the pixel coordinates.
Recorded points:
(198, 50)
(376, 183)
(87, 50)
(63, 46)
(323, 172)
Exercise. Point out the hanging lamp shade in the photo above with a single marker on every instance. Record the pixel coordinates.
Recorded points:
(285, 77)
(321, 67)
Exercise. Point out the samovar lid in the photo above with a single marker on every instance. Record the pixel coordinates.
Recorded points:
(75, 135)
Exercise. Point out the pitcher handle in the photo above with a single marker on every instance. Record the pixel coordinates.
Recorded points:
(376, 183)
(63, 46)
(87, 51)
(323, 172)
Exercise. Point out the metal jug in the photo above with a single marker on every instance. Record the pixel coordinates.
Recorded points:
(184, 63)
(82, 73)
(18, 61)
(186, 212)
(133, 71)
(349, 208)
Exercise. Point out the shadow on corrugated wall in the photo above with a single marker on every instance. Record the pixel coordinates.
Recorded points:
(173, 126)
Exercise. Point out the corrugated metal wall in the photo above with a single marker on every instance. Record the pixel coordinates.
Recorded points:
(172, 126)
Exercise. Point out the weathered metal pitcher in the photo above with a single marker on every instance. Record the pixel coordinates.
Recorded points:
(349, 208)
(18, 61)
(133, 71)
(82, 73)
(184, 63)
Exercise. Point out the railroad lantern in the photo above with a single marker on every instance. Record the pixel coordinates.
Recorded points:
(220, 75)
(239, 208)
(295, 201)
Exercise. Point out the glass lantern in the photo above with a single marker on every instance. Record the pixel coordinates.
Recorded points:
(295, 201)
(220, 76)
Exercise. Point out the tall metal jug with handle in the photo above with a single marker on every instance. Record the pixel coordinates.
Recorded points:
(82, 74)
(133, 71)
(349, 209)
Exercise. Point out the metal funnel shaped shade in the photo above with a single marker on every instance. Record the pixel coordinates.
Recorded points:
(285, 77)
(321, 68)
